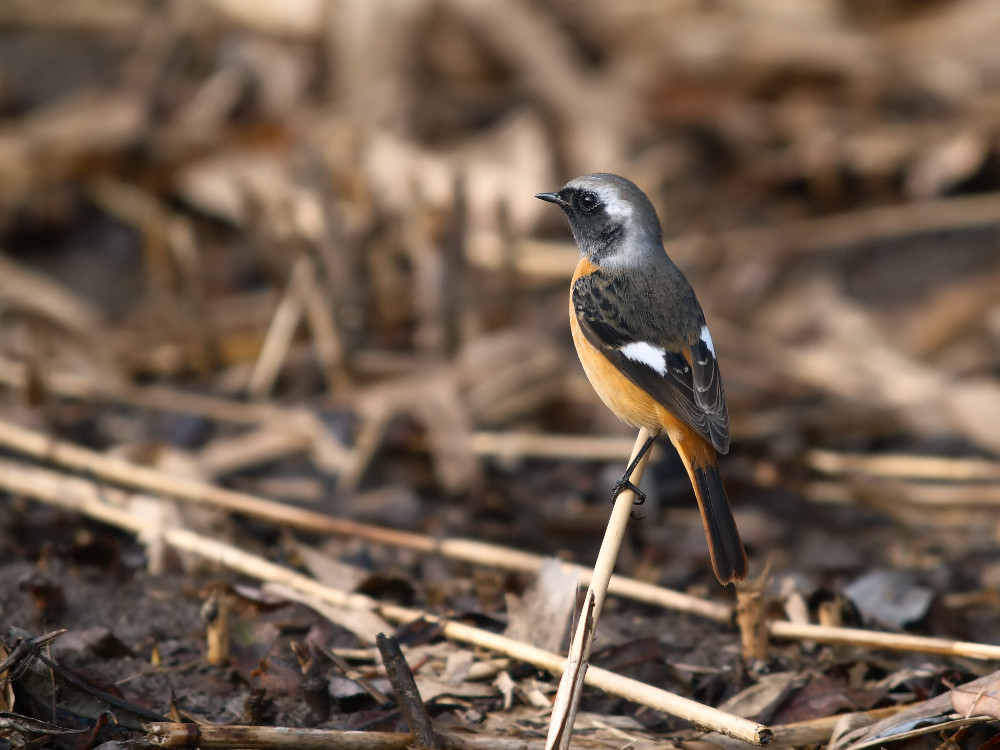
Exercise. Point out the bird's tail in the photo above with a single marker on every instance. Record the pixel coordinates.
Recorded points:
(729, 559)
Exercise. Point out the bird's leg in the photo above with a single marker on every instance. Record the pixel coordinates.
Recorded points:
(625, 483)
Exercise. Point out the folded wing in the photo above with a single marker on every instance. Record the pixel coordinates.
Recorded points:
(682, 377)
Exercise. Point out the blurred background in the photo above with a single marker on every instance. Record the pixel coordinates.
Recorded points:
(293, 248)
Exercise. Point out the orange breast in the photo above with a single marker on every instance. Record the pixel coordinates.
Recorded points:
(628, 402)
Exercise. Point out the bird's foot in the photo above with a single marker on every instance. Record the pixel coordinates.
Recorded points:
(623, 484)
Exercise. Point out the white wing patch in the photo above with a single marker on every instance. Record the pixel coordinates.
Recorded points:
(647, 354)
(707, 338)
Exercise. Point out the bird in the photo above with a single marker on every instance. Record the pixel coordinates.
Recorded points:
(642, 339)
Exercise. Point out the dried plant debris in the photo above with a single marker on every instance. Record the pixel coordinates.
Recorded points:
(284, 365)
(953, 713)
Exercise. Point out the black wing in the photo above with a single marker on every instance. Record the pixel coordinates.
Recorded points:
(687, 382)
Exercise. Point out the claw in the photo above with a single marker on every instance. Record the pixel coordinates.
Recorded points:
(623, 484)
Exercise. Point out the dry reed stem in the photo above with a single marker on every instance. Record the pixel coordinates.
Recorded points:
(326, 339)
(567, 700)
(751, 605)
(902, 466)
(163, 734)
(535, 445)
(281, 330)
(872, 639)
(230, 454)
(119, 471)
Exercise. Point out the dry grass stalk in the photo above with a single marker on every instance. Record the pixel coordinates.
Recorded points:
(119, 471)
(752, 618)
(871, 639)
(277, 738)
(535, 445)
(281, 331)
(949, 314)
(215, 613)
(112, 469)
(58, 328)
(567, 700)
(326, 338)
(228, 455)
(365, 624)
(903, 466)
(206, 735)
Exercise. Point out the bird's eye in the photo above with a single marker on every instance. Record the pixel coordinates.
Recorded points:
(589, 201)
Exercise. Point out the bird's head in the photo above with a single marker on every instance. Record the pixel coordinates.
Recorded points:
(610, 217)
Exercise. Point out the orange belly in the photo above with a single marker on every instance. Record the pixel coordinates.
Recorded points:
(628, 402)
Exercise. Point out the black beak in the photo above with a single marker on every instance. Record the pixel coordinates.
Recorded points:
(552, 198)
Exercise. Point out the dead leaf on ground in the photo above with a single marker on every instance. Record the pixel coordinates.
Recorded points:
(542, 614)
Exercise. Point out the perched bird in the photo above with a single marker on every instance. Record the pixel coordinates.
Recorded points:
(643, 342)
